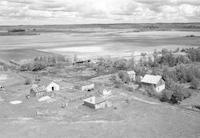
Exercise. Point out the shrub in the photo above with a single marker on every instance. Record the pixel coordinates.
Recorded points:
(37, 66)
(124, 76)
(27, 81)
(25, 67)
(118, 84)
(195, 84)
(175, 95)
(120, 64)
(166, 96)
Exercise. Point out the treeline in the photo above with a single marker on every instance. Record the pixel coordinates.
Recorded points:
(40, 63)
(180, 72)
(179, 68)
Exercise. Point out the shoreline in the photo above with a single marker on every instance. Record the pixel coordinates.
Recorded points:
(97, 51)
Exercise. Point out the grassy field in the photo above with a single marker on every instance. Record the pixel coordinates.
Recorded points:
(21, 55)
(128, 116)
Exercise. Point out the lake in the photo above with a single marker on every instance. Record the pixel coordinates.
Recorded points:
(102, 42)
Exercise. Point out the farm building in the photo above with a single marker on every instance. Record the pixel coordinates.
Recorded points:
(52, 87)
(88, 87)
(1, 88)
(131, 75)
(49, 85)
(154, 82)
(37, 91)
(106, 93)
(43, 89)
(95, 103)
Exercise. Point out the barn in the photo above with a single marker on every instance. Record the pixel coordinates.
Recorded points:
(95, 103)
(154, 82)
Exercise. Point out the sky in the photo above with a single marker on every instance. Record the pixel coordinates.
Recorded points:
(39, 12)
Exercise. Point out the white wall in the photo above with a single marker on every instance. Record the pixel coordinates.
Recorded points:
(87, 87)
(54, 85)
(160, 88)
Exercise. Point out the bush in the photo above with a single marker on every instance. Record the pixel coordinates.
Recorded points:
(27, 81)
(37, 66)
(120, 64)
(25, 67)
(118, 84)
(124, 76)
(195, 84)
(166, 96)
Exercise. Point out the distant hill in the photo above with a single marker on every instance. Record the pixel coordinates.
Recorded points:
(134, 26)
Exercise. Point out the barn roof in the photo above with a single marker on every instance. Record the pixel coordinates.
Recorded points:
(151, 79)
(46, 82)
(99, 100)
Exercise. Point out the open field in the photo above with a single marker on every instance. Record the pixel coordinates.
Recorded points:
(132, 118)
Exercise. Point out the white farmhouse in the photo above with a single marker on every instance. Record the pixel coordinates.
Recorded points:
(153, 81)
(132, 75)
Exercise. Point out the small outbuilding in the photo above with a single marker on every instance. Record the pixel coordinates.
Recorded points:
(37, 91)
(88, 87)
(95, 103)
(1, 88)
(132, 75)
(52, 86)
(154, 82)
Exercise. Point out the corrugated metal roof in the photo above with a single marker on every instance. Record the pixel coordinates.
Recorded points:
(151, 79)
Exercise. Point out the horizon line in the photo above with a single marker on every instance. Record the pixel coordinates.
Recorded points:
(101, 24)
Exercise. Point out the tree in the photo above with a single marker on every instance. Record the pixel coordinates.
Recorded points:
(124, 76)
(27, 81)
(120, 64)
(195, 84)
(37, 66)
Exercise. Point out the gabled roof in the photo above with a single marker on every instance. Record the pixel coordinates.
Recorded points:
(46, 82)
(99, 100)
(151, 79)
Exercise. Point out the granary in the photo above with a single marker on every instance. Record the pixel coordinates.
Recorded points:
(88, 87)
(95, 103)
(131, 75)
(154, 82)
(52, 87)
